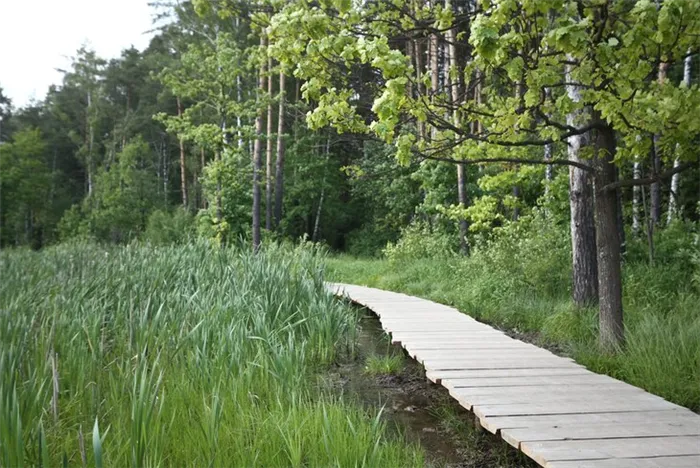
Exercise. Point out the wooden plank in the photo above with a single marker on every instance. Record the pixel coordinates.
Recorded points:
(438, 375)
(690, 461)
(461, 364)
(599, 431)
(568, 407)
(488, 353)
(500, 423)
(587, 378)
(575, 399)
(645, 447)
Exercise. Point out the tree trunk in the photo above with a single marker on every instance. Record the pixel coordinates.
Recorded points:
(203, 164)
(279, 166)
(317, 223)
(609, 270)
(583, 231)
(219, 213)
(454, 85)
(673, 210)
(636, 197)
(434, 74)
(420, 91)
(656, 161)
(257, 160)
(268, 161)
(620, 219)
(183, 171)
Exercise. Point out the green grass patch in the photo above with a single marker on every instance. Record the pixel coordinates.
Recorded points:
(390, 364)
(177, 356)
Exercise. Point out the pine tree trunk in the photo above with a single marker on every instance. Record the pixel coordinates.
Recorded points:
(257, 159)
(656, 161)
(583, 229)
(268, 161)
(183, 171)
(609, 267)
(279, 166)
(675, 180)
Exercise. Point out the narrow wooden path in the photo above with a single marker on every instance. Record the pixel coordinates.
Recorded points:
(552, 409)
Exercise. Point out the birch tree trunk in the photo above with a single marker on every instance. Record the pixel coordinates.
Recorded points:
(257, 160)
(583, 229)
(454, 85)
(636, 197)
(279, 166)
(656, 161)
(317, 223)
(673, 211)
(268, 161)
(183, 171)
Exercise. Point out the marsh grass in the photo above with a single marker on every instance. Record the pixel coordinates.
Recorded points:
(389, 364)
(177, 356)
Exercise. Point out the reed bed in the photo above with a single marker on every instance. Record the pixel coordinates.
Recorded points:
(192, 355)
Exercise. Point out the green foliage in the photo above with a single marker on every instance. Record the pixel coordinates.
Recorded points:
(179, 355)
(25, 182)
(125, 194)
(165, 227)
(419, 240)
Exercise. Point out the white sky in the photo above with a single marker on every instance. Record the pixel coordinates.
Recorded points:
(38, 36)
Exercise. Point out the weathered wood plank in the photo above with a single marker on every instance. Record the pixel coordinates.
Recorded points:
(645, 447)
(568, 407)
(438, 375)
(691, 461)
(499, 423)
(580, 379)
(599, 431)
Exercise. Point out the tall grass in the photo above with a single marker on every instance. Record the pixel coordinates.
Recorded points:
(521, 281)
(177, 356)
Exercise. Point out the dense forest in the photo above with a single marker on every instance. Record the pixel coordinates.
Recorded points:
(419, 128)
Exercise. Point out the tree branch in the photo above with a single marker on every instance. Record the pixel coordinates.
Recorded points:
(649, 180)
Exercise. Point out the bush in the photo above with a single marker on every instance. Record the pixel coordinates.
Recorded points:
(418, 241)
(169, 227)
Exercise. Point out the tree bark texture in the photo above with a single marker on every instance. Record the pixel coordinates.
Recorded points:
(656, 161)
(607, 238)
(454, 85)
(673, 209)
(257, 159)
(279, 164)
(583, 232)
(183, 169)
(268, 160)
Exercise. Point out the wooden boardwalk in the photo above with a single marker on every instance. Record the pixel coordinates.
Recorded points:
(552, 409)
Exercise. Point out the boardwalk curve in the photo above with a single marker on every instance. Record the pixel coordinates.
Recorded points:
(555, 411)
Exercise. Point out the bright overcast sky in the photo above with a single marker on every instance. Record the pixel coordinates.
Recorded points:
(38, 36)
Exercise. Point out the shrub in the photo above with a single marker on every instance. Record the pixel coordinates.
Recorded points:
(418, 241)
(169, 227)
